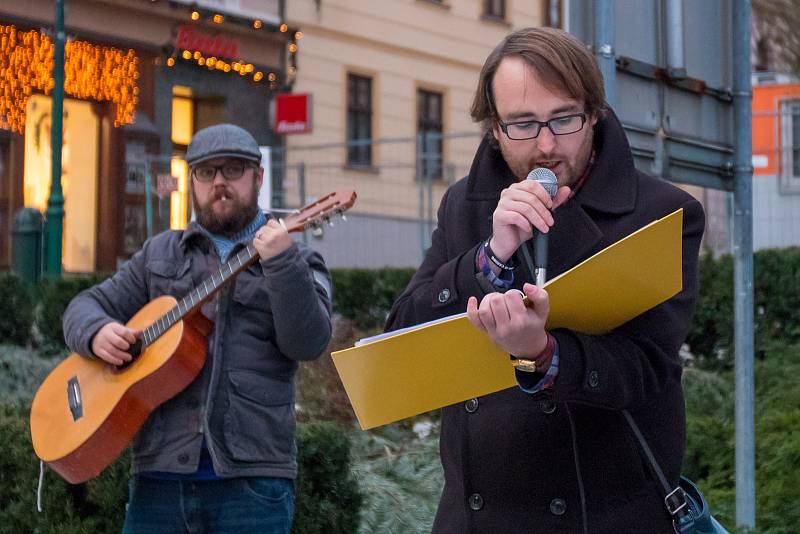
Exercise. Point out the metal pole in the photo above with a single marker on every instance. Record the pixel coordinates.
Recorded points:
(676, 66)
(301, 188)
(421, 185)
(148, 197)
(604, 46)
(743, 268)
(55, 204)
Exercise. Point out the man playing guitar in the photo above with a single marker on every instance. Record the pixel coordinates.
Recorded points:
(220, 455)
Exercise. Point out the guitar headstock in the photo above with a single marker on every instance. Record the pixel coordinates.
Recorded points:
(321, 210)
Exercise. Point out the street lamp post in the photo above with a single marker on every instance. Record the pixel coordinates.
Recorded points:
(55, 204)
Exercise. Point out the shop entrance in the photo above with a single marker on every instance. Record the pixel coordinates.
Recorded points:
(79, 165)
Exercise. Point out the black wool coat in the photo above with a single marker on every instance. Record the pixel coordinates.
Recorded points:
(563, 461)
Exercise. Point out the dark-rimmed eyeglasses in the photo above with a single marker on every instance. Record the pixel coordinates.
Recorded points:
(530, 129)
(231, 170)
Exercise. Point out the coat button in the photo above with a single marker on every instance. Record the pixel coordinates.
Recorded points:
(594, 379)
(547, 406)
(471, 405)
(444, 294)
(558, 506)
(476, 501)
(183, 458)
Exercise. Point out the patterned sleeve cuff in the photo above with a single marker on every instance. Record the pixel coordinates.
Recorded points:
(506, 278)
(535, 382)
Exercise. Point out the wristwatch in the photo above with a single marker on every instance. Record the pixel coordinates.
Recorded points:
(522, 364)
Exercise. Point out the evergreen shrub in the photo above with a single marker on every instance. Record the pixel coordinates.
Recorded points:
(776, 290)
(54, 297)
(16, 310)
(366, 295)
(328, 500)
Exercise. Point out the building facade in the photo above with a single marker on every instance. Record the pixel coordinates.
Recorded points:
(391, 84)
(141, 76)
(776, 162)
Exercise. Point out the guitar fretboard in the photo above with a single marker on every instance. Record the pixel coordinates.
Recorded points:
(197, 296)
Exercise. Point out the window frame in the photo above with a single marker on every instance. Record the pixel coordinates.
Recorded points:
(430, 170)
(490, 13)
(359, 118)
(790, 146)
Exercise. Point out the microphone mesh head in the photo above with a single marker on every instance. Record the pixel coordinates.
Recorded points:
(547, 178)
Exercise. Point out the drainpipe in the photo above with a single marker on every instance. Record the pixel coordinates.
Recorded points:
(676, 66)
(604, 46)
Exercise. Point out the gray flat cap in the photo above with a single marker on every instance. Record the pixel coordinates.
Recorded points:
(220, 141)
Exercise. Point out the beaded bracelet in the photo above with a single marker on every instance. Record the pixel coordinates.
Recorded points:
(494, 259)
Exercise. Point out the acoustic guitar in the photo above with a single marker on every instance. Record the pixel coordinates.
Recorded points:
(87, 411)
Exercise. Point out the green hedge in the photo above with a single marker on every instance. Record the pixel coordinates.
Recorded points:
(16, 310)
(776, 308)
(710, 439)
(366, 295)
(54, 296)
(363, 295)
(328, 500)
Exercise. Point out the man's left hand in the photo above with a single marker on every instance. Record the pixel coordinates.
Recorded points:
(272, 239)
(517, 329)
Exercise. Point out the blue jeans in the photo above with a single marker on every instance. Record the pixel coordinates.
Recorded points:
(240, 505)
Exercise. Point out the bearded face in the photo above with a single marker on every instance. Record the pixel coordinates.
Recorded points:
(225, 206)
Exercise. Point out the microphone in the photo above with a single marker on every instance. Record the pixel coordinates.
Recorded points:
(548, 180)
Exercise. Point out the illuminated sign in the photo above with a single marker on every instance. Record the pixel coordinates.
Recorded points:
(189, 38)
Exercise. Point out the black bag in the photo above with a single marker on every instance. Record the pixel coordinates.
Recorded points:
(685, 504)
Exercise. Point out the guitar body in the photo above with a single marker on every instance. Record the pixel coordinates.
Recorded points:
(87, 411)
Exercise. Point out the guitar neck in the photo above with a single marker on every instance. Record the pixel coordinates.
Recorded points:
(322, 209)
(202, 293)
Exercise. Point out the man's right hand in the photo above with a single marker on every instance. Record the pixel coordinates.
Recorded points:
(523, 206)
(112, 342)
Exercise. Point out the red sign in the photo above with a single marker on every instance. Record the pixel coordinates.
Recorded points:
(292, 114)
(219, 46)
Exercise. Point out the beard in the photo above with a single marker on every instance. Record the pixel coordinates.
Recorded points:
(238, 215)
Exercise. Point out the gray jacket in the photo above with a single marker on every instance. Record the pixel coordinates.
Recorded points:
(274, 314)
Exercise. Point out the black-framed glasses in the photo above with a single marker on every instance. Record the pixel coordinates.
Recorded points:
(530, 129)
(231, 170)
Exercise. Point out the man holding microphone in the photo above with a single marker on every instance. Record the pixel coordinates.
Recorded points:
(556, 454)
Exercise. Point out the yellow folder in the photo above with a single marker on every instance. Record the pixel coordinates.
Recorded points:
(419, 369)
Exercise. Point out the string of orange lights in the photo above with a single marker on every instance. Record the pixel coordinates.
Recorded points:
(239, 67)
(94, 72)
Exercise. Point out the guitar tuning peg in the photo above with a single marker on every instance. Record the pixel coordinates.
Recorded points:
(317, 231)
(344, 217)
(328, 221)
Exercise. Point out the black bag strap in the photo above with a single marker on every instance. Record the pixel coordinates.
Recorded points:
(675, 498)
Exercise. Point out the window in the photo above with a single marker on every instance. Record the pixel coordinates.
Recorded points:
(359, 121)
(553, 13)
(494, 9)
(429, 126)
(790, 119)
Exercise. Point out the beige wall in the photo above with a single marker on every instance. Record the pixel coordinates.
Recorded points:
(403, 45)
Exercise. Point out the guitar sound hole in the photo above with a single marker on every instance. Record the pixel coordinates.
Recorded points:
(135, 351)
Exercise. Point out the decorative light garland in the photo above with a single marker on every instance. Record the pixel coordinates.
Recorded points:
(241, 68)
(94, 72)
